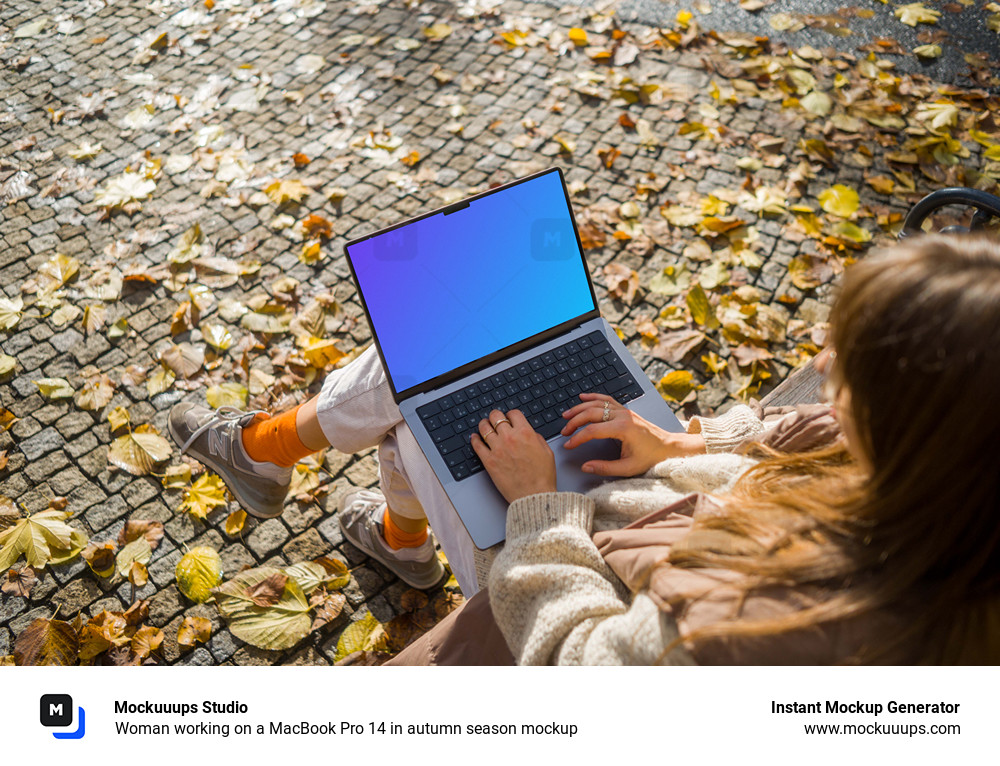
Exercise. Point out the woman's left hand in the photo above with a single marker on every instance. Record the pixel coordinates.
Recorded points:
(515, 456)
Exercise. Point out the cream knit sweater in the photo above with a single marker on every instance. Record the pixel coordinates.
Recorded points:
(553, 596)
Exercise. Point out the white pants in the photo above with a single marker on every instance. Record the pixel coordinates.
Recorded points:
(355, 412)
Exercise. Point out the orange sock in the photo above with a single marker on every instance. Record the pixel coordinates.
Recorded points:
(397, 538)
(275, 440)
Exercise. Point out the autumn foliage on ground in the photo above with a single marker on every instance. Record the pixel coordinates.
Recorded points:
(699, 312)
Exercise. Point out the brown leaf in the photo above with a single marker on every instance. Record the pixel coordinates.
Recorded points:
(194, 630)
(138, 575)
(674, 346)
(183, 359)
(146, 641)
(47, 642)
(413, 600)
(268, 591)
(136, 528)
(622, 282)
(328, 609)
(446, 603)
(100, 557)
(19, 582)
(137, 613)
(746, 354)
(316, 226)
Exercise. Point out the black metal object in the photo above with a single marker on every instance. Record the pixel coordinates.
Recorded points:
(987, 206)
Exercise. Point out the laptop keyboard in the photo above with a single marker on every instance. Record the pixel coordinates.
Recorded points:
(543, 388)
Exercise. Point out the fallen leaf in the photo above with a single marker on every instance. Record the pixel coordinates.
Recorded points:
(183, 359)
(286, 190)
(194, 630)
(227, 395)
(672, 347)
(839, 200)
(139, 451)
(916, 13)
(677, 386)
(100, 557)
(19, 582)
(138, 575)
(701, 308)
(198, 572)
(365, 634)
(235, 522)
(47, 642)
(152, 531)
(207, 492)
(41, 538)
(54, 388)
(146, 641)
(278, 626)
(120, 190)
(137, 551)
(267, 592)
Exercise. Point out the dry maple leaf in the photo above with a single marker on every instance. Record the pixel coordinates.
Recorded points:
(207, 492)
(286, 190)
(41, 538)
(316, 226)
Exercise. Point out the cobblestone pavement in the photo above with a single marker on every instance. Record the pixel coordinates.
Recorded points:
(685, 160)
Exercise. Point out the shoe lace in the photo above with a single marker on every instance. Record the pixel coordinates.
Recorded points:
(226, 414)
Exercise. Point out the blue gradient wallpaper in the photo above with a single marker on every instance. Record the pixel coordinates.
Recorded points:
(450, 289)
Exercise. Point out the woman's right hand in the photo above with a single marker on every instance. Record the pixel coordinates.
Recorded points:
(643, 444)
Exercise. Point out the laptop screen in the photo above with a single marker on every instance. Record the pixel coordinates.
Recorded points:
(456, 286)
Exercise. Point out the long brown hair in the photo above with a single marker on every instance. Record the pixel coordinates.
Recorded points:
(913, 526)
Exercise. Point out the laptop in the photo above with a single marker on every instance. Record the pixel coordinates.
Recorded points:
(487, 304)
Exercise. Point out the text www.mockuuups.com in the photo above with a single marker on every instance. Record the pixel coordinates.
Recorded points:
(897, 729)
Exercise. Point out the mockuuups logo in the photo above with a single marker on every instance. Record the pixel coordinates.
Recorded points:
(57, 710)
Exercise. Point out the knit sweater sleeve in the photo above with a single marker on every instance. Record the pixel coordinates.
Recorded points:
(558, 603)
(727, 431)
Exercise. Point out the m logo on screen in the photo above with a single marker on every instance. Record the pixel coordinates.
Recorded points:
(56, 710)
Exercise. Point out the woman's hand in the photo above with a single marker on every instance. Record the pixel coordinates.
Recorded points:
(643, 444)
(514, 455)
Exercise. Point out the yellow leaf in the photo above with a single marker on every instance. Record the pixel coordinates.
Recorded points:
(139, 451)
(7, 364)
(286, 190)
(137, 551)
(47, 642)
(361, 635)
(578, 36)
(932, 51)
(917, 13)
(437, 31)
(188, 247)
(198, 571)
(714, 363)
(701, 308)
(41, 538)
(678, 385)
(54, 388)
(839, 200)
(318, 352)
(118, 417)
(235, 522)
(146, 641)
(93, 318)
(176, 477)
(217, 336)
(10, 312)
(311, 253)
(207, 492)
(852, 232)
(881, 184)
(161, 380)
(229, 394)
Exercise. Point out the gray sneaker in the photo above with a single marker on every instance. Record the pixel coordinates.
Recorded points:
(214, 437)
(361, 514)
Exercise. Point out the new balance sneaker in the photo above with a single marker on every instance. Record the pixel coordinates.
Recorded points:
(361, 514)
(214, 437)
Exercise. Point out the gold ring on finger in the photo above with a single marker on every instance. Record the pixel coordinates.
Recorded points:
(607, 412)
(491, 431)
(501, 420)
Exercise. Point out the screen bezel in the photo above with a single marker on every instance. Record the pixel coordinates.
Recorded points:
(485, 361)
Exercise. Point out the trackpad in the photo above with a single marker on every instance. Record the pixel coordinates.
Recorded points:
(569, 476)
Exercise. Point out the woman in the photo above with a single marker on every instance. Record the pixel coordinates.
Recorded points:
(879, 546)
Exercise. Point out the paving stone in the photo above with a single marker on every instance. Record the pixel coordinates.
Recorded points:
(267, 538)
(223, 645)
(77, 596)
(306, 547)
(42, 443)
(165, 605)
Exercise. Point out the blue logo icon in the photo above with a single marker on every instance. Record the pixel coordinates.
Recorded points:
(57, 710)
